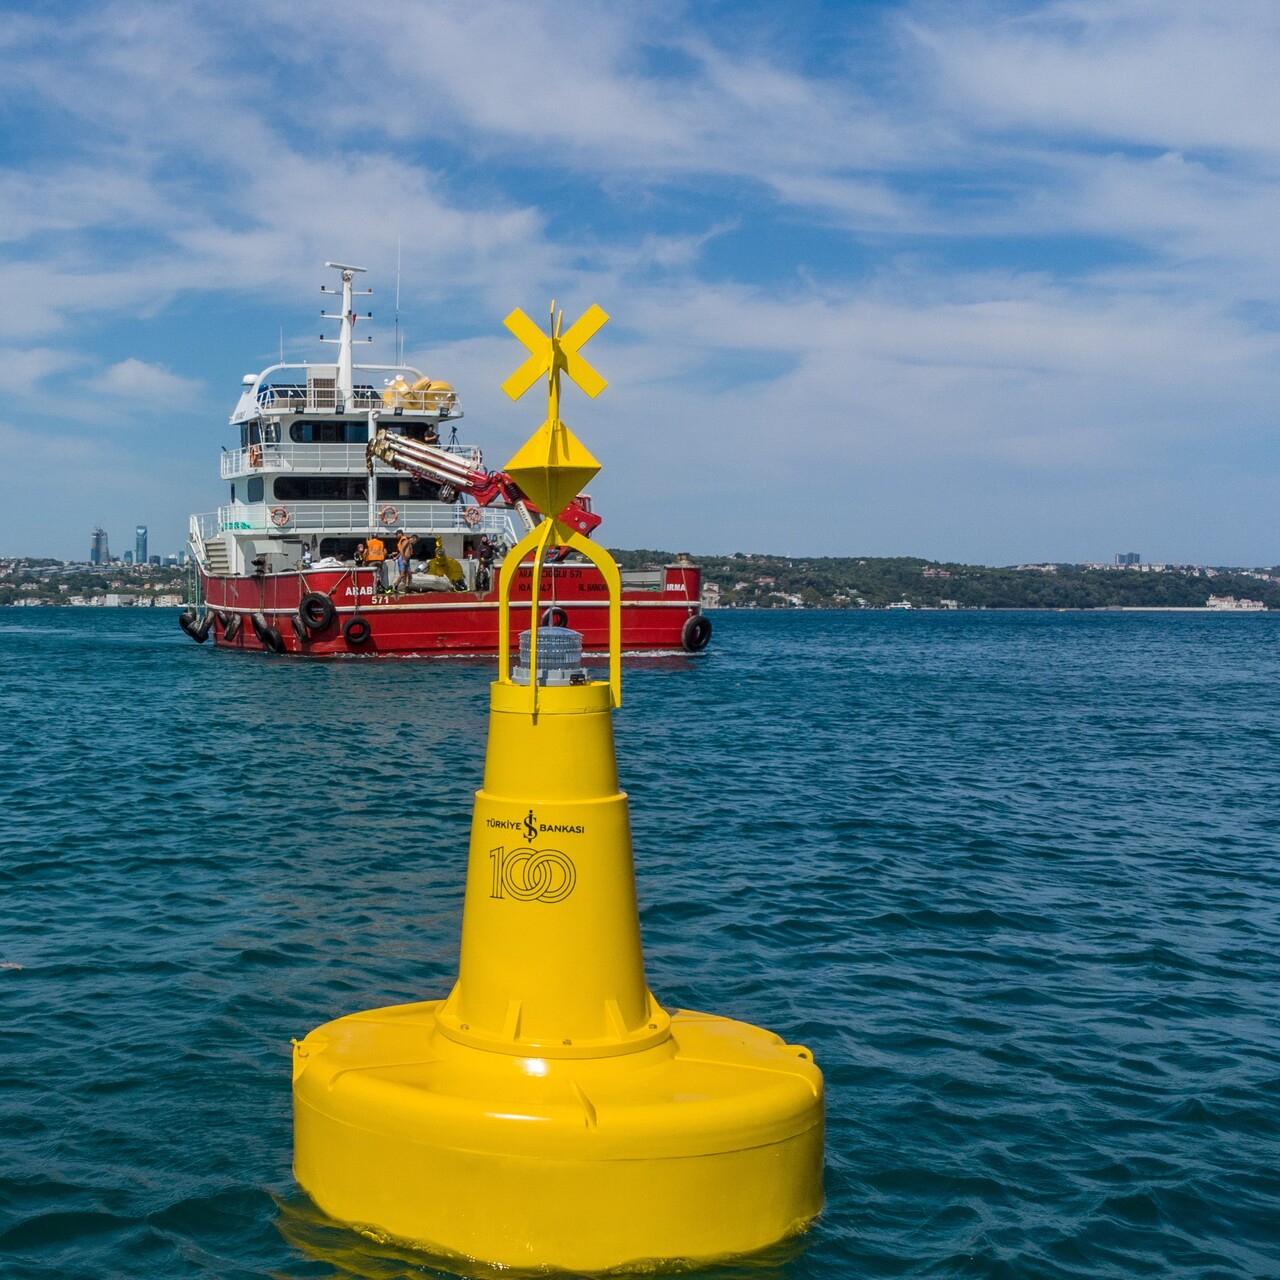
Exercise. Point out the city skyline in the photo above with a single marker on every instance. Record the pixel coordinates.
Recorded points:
(988, 283)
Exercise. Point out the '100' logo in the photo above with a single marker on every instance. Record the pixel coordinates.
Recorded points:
(532, 875)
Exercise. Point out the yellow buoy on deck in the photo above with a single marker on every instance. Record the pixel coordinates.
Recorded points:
(549, 1112)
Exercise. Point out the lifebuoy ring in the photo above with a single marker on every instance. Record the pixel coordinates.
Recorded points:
(268, 636)
(356, 630)
(232, 629)
(316, 611)
(388, 514)
(279, 516)
(555, 617)
(695, 633)
(473, 516)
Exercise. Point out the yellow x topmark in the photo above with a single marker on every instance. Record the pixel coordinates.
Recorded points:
(551, 353)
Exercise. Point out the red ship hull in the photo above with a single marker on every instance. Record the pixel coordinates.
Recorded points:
(656, 611)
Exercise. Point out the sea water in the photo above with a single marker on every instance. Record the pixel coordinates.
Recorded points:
(1014, 879)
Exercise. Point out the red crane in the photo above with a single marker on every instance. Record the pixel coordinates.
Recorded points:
(452, 473)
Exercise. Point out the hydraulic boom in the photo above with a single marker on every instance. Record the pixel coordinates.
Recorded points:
(427, 462)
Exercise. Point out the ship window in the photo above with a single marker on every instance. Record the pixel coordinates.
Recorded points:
(342, 548)
(255, 433)
(321, 489)
(406, 489)
(233, 493)
(253, 490)
(328, 432)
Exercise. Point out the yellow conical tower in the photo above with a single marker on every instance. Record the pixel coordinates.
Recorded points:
(549, 1113)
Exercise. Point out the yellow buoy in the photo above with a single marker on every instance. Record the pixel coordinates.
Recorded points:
(549, 1112)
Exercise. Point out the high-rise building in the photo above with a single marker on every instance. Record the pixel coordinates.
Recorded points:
(1128, 557)
(99, 552)
(140, 544)
(128, 557)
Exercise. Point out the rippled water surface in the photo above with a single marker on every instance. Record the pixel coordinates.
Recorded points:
(1015, 879)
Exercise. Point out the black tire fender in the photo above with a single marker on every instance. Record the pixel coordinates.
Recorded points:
(299, 628)
(268, 637)
(232, 628)
(316, 611)
(356, 630)
(188, 620)
(695, 634)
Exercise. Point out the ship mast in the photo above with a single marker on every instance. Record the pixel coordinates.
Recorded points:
(346, 336)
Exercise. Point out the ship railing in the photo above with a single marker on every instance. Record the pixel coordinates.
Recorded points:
(319, 398)
(257, 458)
(352, 518)
(200, 529)
(205, 526)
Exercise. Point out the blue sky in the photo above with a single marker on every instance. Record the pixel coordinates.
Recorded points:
(972, 280)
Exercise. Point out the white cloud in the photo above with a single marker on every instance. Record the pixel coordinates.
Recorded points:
(148, 384)
(30, 371)
(1169, 74)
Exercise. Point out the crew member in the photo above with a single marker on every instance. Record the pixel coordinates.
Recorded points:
(484, 554)
(404, 555)
(375, 553)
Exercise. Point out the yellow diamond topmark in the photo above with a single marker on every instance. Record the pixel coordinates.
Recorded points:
(551, 467)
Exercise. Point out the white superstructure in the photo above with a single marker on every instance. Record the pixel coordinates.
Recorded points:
(299, 482)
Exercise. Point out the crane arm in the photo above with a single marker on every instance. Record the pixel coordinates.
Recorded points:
(427, 462)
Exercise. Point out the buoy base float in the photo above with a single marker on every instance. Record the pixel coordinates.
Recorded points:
(704, 1145)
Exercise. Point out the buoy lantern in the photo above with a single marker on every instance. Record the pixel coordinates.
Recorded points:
(549, 1112)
